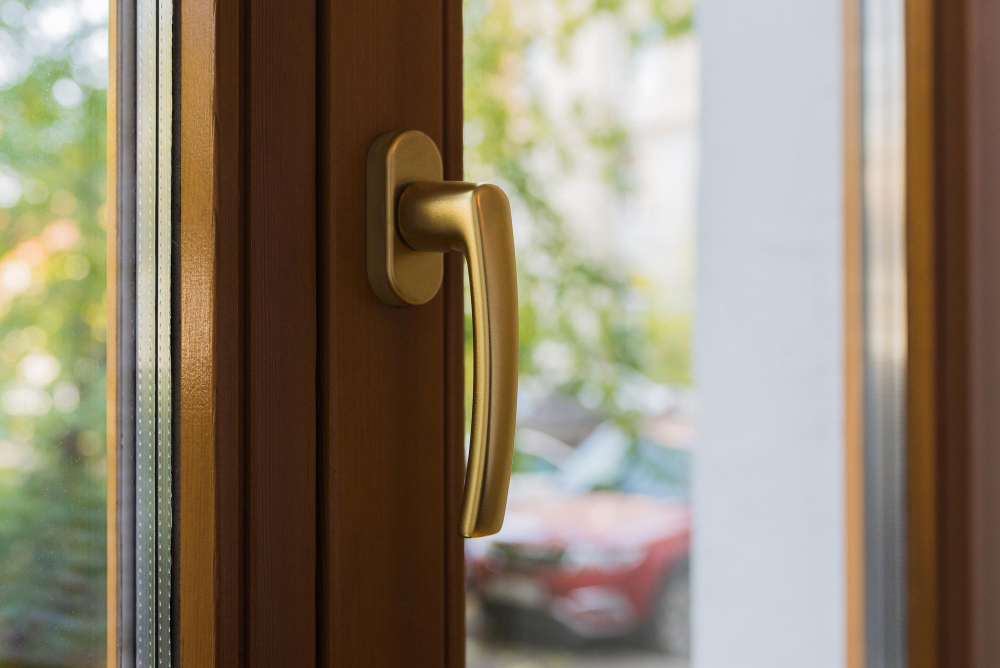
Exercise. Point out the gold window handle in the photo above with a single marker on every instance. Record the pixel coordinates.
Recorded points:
(414, 217)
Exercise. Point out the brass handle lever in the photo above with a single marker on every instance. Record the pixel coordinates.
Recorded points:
(413, 218)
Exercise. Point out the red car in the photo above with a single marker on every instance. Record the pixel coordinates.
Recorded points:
(600, 547)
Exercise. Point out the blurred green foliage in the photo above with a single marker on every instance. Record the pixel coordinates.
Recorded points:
(53, 70)
(587, 326)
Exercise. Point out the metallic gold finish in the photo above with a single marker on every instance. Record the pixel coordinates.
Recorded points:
(431, 217)
(399, 275)
(475, 219)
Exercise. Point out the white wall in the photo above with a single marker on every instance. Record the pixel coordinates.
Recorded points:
(768, 553)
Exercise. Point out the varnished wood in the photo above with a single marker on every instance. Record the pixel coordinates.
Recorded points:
(922, 338)
(196, 437)
(229, 205)
(279, 360)
(301, 547)
(247, 334)
(854, 429)
(210, 338)
(382, 424)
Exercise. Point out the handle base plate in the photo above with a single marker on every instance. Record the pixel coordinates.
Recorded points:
(399, 275)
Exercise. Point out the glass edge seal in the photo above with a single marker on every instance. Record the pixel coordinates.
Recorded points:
(153, 363)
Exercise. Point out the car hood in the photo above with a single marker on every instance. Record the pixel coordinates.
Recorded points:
(608, 518)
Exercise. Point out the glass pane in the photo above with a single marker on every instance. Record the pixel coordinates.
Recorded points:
(53, 80)
(674, 176)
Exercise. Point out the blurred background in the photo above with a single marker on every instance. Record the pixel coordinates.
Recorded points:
(53, 79)
(586, 113)
(675, 176)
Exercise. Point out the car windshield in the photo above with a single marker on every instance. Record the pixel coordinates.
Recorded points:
(609, 460)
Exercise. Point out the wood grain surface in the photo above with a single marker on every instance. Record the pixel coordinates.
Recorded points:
(279, 356)
(384, 526)
(321, 468)
(210, 342)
